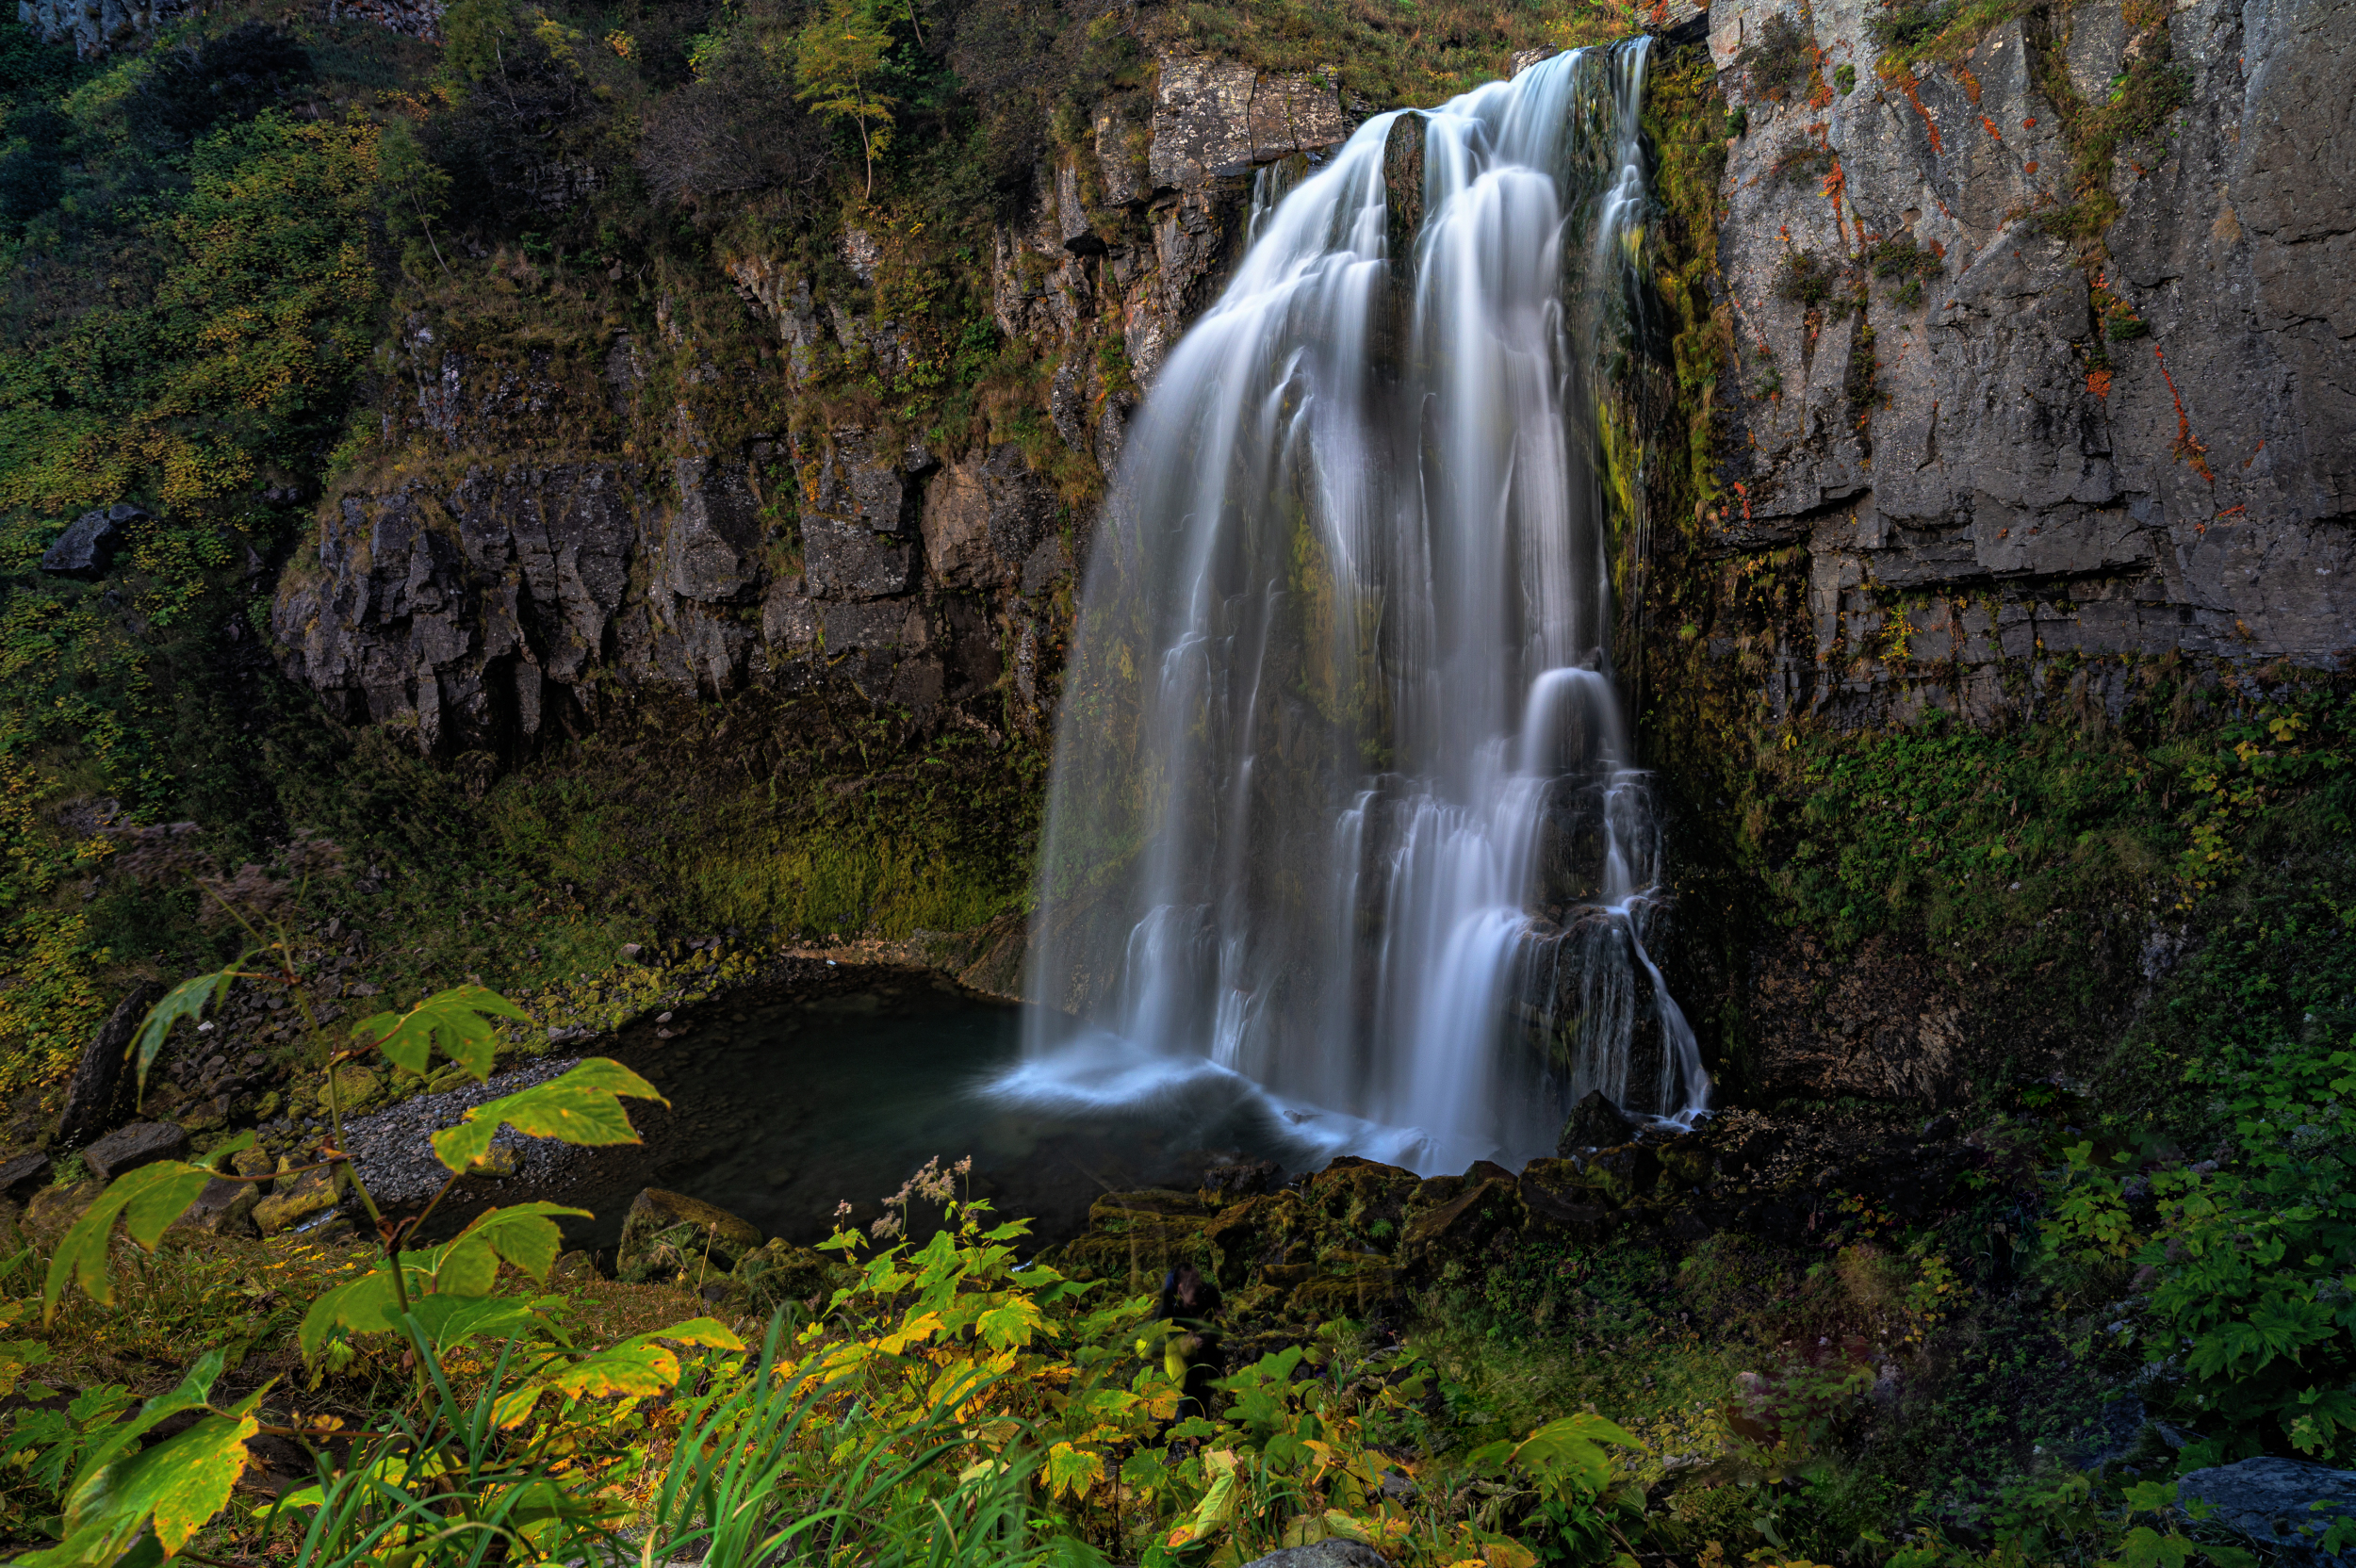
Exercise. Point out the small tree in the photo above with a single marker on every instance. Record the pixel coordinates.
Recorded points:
(413, 191)
(839, 60)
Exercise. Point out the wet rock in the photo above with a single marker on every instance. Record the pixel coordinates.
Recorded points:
(1560, 1203)
(99, 1091)
(779, 1272)
(1139, 1236)
(1363, 1199)
(126, 1148)
(2271, 1501)
(1687, 1160)
(356, 1088)
(86, 548)
(1403, 190)
(1242, 1179)
(224, 1208)
(1596, 1122)
(1623, 1173)
(303, 1199)
(665, 1233)
(1454, 1220)
(1255, 1233)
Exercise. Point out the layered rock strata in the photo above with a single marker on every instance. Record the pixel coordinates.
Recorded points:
(2020, 447)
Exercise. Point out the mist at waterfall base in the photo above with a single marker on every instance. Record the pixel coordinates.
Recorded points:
(1344, 808)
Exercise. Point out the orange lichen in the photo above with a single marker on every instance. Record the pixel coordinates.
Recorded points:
(1903, 80)
(2188, 450)
(1971, 85)
(2098, 384)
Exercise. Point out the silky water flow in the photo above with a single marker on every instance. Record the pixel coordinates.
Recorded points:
(1343, 813)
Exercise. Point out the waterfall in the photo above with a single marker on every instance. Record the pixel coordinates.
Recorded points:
(1343, 800)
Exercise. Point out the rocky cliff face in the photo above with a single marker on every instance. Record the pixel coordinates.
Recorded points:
(2022, 448)
(569, 529)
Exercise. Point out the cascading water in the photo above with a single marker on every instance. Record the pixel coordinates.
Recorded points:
(1343, 800)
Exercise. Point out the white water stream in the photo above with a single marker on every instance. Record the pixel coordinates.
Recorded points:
(1344, 802)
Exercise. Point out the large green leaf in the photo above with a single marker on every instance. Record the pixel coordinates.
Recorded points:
(458, 1020)
(176, 1487)
(584, 1106)
(464, 1270)
(193, 1392)
(363, 1306)
(638, 1366)
(524, 1235)
(187, 1000)
(451, 1320)
(147, 1200)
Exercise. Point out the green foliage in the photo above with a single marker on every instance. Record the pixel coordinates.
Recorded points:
(1780, 61)
(2249, 1249)
(2142, 99)
(1910, 264)
(476, 34)
(1809, 281)
(265, 307)
(122, 1491)
(838, 61)
(581, 1107)
(1938, 825)
(456, 1023)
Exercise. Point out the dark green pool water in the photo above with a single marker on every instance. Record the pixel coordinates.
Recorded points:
(784, 1105)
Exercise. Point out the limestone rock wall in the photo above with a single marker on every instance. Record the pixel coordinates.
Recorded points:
(2060, 455)
(571, 530)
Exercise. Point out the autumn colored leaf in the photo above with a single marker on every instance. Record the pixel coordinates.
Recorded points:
(584, 1106)
(457, 1021)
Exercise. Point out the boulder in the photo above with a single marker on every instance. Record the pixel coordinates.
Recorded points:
(2274, 1501)
(1560, 1203)
(1139, 1236)
(575, 1266)
(224, 1208)
(21, 1177)
(311, 1194)
(55, 1208)
(1453, 1219)
(770, 1276)
(356, 1088)
(1596, 1122)
(126, 1148)
(666, 1232)
(1332, 1553)
(1367, 1202)
(94, 1096)
(86, 548)
(1623, 1173)
(1257, 1233)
